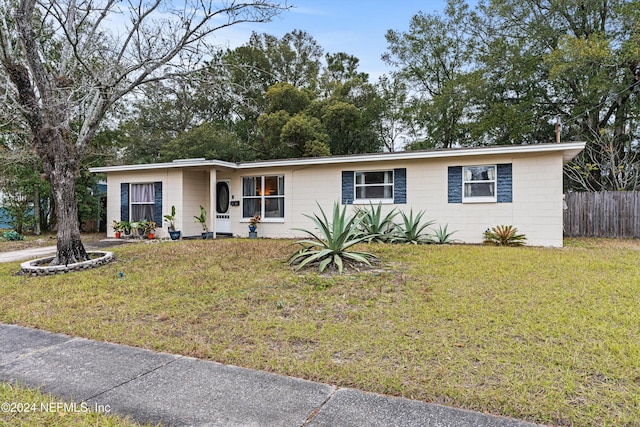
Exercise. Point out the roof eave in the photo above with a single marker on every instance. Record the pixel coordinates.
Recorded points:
(569, 149)
(170, 165)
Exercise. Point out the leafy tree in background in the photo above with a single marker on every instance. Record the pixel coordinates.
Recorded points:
(165, 110)
(304, 135)
(349, 106)
(435, 59)
(269, 128)
(391, 126)
(253, 91)
(239, 78)
(500, 74)
(209, 140)
(287, 97)
(285, 129)
(583, 65)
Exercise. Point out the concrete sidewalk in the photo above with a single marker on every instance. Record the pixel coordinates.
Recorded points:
(176, 390)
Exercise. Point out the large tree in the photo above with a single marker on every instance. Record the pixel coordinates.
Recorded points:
(502, 72)
(435, 62)
(70, 61)
(579, 60)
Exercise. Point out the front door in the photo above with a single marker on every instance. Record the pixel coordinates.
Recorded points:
(223, 220)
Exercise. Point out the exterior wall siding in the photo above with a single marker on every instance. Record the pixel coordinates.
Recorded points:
(535, 207)
(195, 192)
(168, 186)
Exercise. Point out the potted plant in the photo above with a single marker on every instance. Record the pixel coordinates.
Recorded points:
(253, 226)
(117, 228)
(137, 227)
(150, 229)
(171, 219)
(202, 219)
(126, 227)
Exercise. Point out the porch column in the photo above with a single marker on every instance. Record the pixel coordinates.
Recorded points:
(212, 201)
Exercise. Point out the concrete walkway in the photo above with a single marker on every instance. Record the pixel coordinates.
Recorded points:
(176, 390)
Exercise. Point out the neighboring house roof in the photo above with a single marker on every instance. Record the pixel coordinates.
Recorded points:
(569, 151)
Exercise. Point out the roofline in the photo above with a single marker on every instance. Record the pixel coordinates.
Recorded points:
(569, 149)
(168, 165)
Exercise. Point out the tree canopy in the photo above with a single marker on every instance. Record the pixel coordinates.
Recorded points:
(504, 72)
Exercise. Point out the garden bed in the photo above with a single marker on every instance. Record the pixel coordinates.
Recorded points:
(42, 267)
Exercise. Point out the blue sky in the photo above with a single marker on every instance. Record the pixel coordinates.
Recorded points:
(356, 27)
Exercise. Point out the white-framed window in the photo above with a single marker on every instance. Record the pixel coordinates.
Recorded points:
(263, 195)
(374, 185)
(479, 183)
(141, 202)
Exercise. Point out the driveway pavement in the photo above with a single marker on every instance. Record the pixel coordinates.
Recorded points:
(176, 390)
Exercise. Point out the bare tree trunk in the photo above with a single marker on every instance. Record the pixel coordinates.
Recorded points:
(69, 246)
(60, 165)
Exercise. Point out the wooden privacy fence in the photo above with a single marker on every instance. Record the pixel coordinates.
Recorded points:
(602, 214)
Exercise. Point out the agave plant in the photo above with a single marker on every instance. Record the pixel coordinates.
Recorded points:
(412, 230)
(374, 225)
(504, 235)
(330, 245)
(442, 236)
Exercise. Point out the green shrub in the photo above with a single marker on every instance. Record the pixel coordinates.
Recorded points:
(12, 235)
(412, 229)
(330, 247)
(504, 235)
(373, 224)
(442, 235)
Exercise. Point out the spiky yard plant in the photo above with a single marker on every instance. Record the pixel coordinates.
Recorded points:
(376, 226)
(504, 235)
(330, 245)
(442, 236)
(412, 230)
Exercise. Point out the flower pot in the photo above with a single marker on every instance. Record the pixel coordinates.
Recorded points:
(175, 235)
(253, 234)
(151, 236)
(252, 228)
(118, 234)
(204, 235)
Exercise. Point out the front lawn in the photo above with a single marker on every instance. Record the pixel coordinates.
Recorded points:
(545, 335)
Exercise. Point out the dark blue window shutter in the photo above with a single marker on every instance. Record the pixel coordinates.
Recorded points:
(157, 203)
(455, 184)
(124, 201)
(400, 186)
(347, 187)
(505, 183)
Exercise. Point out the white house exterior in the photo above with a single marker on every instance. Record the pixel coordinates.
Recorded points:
(470, 189)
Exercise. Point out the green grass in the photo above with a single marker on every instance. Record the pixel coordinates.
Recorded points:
(545, 335)
(32, 408)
